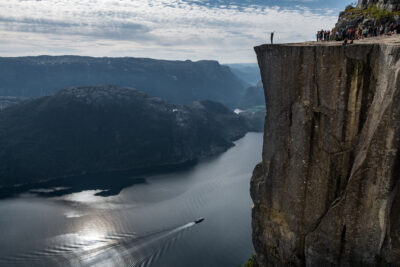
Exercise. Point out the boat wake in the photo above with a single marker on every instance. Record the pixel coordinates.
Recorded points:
(118, 249)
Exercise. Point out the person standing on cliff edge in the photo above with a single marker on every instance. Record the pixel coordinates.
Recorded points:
(272, 37)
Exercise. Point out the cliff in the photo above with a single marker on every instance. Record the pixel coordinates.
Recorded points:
(107, 128)
(390, 5)
(327, 190)
(370, 13)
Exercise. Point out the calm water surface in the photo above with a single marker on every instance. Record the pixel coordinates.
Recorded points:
(147, 224)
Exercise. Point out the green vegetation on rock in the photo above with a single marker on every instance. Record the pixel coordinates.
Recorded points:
(250, 262)
(371, 12)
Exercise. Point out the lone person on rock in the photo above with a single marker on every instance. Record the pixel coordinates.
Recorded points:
(272, 37)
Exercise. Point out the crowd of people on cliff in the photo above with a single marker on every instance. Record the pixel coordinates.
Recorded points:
(358, 33)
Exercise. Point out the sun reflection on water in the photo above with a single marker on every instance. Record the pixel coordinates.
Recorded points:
(88, 196)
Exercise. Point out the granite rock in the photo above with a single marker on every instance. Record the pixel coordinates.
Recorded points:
(327, 190)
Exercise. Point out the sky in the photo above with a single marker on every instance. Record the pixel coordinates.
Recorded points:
(223, 30)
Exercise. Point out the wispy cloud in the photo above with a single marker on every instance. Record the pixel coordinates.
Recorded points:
(174, 29)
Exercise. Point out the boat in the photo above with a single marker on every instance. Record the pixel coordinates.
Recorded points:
(199, 220)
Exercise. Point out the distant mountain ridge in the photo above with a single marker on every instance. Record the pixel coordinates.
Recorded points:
(107, 128)
(254, 96)
(247, 72)
(8, 101)
(180, 82)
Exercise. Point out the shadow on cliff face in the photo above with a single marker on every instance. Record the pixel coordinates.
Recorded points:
(109, 183)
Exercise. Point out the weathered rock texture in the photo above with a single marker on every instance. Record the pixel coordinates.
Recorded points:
(390, 5)
(327, 190)
(370, 13)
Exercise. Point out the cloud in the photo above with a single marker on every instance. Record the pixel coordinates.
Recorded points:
(174, 29)
(124, 29)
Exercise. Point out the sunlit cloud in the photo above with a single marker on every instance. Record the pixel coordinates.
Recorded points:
(173, 29)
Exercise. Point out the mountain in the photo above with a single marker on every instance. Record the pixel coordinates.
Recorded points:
(8, 101)
(180, 82)
(96, 129)
(247, 72)
(253, 96)
(252, 107)
(255, 118)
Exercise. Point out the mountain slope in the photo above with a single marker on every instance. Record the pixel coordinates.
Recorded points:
(96, 129)
(179, 82)
(253, 96)
(249, 73)
(8, 101)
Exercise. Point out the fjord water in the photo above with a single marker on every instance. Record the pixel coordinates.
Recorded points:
(147, 224)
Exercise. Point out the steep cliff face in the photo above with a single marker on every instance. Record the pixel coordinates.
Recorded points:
(390, 5)
(327, 190)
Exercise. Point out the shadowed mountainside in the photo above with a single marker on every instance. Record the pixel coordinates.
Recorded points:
(95, 129)
(8, 101)
(180, 82)
(248, 72)
(253, 96)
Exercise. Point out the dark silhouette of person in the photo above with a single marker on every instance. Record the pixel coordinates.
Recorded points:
(272, 37)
